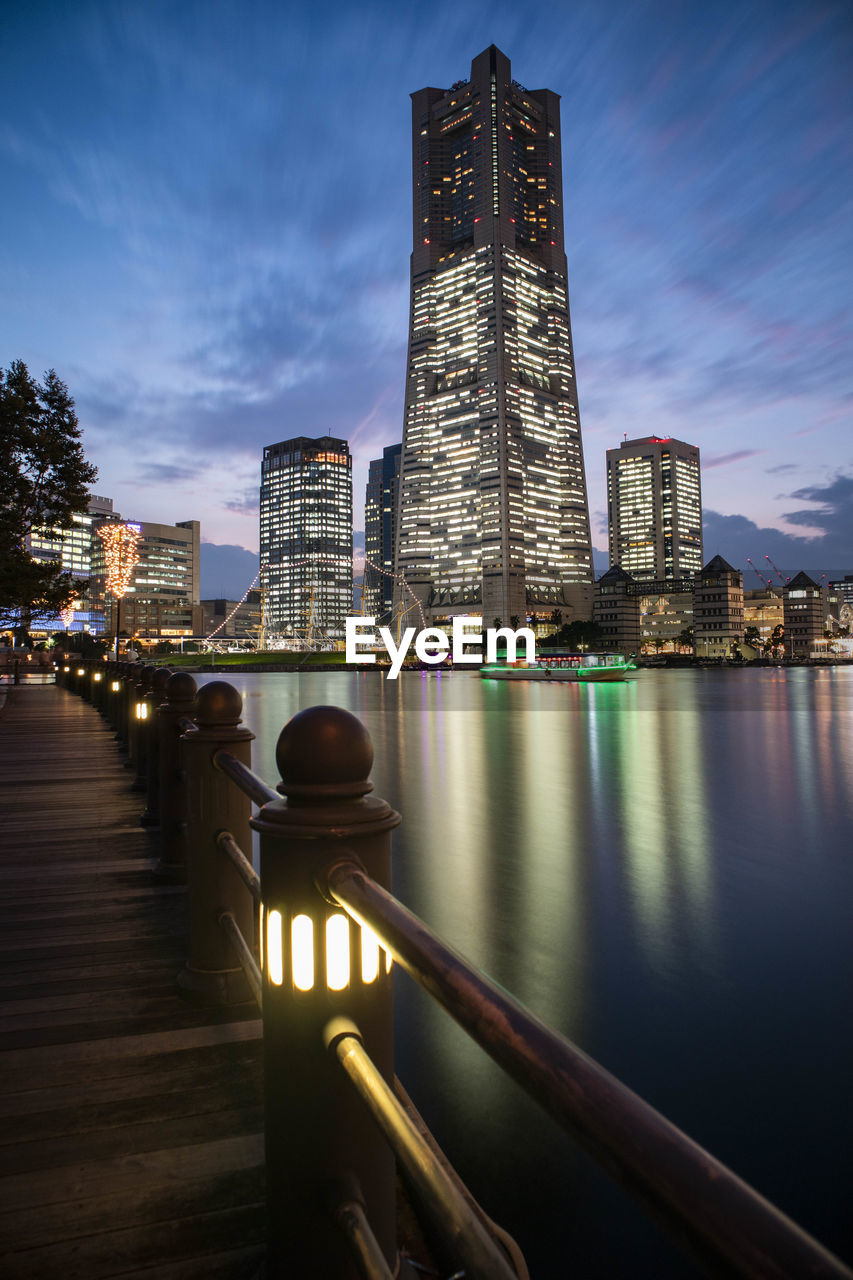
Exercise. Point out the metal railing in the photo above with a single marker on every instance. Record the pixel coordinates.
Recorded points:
(330, 1098)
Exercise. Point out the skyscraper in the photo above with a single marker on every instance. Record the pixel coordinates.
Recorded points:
(380, 530)
(493, 508)
(306, 534)
(654, 508)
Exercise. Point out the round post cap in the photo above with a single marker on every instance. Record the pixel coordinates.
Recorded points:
(180, 687)
(322, 751)
(218, 705)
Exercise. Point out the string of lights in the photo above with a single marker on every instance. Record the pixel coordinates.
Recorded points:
(300, 564)
(121, 554)
(68, 612)
(225, 621)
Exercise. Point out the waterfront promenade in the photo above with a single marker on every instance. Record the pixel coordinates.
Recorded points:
(131, 1120)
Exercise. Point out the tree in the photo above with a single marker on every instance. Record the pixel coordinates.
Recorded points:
(46, 482)
(752, 637)
(684, 639)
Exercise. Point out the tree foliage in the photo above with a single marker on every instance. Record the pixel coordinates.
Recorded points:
(45, 482)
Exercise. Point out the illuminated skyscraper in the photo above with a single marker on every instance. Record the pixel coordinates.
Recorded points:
(493, 510)
(380, 531)
(306, 535)
(654, 506)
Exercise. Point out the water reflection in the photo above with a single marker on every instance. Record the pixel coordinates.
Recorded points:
(661, 870)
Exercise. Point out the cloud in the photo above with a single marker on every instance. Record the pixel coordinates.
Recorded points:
(724, 459)
(168, 473)
(226, 571)
(736, 537)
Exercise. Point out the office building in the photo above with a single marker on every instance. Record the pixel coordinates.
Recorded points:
(73, 549)
(804, 611)
(306, 536)
(616, 609)
(162, 596)
(654, 508)
(493, 509)
(380, 531)
(718, 624)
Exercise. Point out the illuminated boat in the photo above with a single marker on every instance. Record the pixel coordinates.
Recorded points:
(585, 668)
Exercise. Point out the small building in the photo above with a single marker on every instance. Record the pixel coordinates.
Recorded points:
(763, 609)
(617, 610)
(717, 609)
(233, 619)
(666, 610)
(804, 615)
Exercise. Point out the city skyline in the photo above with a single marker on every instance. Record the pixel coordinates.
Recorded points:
(155, 254)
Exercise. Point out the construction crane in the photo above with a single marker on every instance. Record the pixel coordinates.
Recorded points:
(758, 573)
(773, 566)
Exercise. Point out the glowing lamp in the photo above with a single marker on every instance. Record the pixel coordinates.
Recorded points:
(81, 671)
(66, 669)
(115, 686)
(329, 951)
(97, 676)
(142, 710)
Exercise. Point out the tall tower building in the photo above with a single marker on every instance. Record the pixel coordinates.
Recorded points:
(493, 506)
(306, 535)
(380, 530)
(654, 507)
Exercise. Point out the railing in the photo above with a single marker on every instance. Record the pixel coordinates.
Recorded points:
(327, 930)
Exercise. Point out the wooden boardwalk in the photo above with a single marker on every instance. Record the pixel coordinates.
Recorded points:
(131, 1121)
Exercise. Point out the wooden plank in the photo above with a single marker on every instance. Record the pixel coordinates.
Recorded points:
(131, 1140)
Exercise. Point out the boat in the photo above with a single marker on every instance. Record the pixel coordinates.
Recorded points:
(583, 668)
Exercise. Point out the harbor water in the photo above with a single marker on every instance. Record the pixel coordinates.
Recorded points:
(662, 869)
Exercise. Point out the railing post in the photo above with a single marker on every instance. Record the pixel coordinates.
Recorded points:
(179, 705)
(317, 1132)
(151, 813)
(214, 885)
(141, 712)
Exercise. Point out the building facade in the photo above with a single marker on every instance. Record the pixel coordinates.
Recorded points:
(73, 549)
(306, 536)
(233, 619)
(164, 585)
(616, 609)
(654, 508)
(493, 515)
(717, 610)
(804, 615)
(380, 531)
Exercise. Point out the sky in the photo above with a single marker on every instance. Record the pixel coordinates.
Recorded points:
(206, 231)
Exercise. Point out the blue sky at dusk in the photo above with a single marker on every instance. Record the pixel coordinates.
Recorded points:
(206, 231)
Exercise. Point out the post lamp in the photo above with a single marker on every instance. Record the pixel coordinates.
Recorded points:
(143, 716)
(151, 814)
(318, 964)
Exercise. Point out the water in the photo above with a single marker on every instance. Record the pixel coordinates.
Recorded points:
(663, 871)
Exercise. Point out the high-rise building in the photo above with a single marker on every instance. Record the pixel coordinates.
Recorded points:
(493, 507)
(306, 535)
(380, 531)
(654, 507)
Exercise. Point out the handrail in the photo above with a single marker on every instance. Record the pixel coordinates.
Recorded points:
(351, 1219)
(241, 863)
(450, 1213)
(249, 783)
(243, 953)
(186, 725)
(690, 1192)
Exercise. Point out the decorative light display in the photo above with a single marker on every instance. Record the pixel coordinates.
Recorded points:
(67, 613)
(121, 554)
(225, 621)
